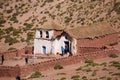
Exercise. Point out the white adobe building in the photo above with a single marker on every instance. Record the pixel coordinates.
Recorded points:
(50, 38)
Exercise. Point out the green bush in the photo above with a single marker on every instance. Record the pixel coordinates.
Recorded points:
(63, 78)
(94, 73)
(116, 74)
(28, 26)
(91, 63)
(8, 30)
(115, 64)
(84, 78)
(57, 66)
(2, 21)
(58, 6)
(94, 79)
(49, 1)
(16, 32)
(61, 73)
(9, 11)
(1, 5)
(2, 32)
(103, 64)
(113, 44)
(78, 69)
(108, 78)
(68, 19)
(12, 49)
(87, 69)
(113, 55)
(30, 36)
(10, 40)
(75, 77)
(22, 40)
(14, 19)
(36, 75)
(116, 7)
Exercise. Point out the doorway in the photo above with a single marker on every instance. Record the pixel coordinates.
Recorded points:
(67, 46)
(44, 49)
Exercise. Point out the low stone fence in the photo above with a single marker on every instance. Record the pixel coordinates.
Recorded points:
(98, 42)
(17, 53)
(7, 71)
(89, 49)
(42, 66)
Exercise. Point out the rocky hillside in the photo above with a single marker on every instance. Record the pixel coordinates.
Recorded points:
(19, 18)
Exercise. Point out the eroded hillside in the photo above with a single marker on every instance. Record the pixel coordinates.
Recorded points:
(19, 18)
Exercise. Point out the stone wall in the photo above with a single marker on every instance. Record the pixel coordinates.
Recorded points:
(98, 42)
(7, 71)
(12, 54)
(83, 50)
(42, 66)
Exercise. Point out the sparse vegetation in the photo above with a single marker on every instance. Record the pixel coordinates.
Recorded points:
(75, 12)
(10, 40)
(68, 19)
(12, 49)
(116, 74)
(2, 21)
(58, 66)
(61, 73)
(30, 36)
(112, 44)
(84, 78)
(63, 78)
(94, 73)
(87, 69)
(115, 64)
(78, 69)
(113, 56)
(91, 63)
(36, 75)
(117, 7)
(28, 26)
(75, 77)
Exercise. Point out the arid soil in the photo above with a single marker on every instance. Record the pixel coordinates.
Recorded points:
(101, 69)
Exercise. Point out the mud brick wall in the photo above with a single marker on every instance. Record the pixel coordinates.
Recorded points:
(12, 54)
(9, 55)
(42, 66)
(98, 42)
(9, 71)
(83, 50)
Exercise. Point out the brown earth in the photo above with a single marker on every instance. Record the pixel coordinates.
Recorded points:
(102, 71)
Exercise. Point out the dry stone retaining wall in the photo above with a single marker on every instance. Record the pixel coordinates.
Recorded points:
(98, 42)
(7, 71)
(42, 66)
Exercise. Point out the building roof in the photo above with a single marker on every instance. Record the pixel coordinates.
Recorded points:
(92, 31)
(51, 25)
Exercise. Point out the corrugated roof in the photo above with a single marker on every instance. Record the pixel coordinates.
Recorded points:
(92, 31)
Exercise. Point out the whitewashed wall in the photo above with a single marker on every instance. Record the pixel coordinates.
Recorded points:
(57, 44)
(51, 46)
(38, 46)
(51, 33)
(73, 47)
